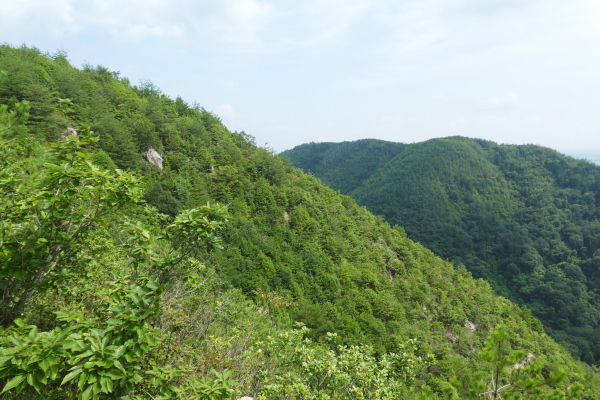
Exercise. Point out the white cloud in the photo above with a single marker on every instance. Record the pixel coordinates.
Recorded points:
(235, 21)
(413, 27)
(328, 19)
(247, 25)
(503, 102)
(58, 14)
(225, 111)
(136, 19)
(141, 31)
(133, 19)
(123, 13)
(449, 29)
(259, 26)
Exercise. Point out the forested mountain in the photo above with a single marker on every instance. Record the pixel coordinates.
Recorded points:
(525, 218)
(345, 166)
(125, 278)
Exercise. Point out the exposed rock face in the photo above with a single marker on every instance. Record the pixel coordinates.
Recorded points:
(69, 132)
(153, 157)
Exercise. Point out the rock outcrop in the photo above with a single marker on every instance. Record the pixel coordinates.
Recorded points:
(69, 132)
(153, 157)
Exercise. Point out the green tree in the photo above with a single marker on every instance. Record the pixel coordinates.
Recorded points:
(45, 216)
(514, 374)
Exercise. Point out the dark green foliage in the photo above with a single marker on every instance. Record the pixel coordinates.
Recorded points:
(344, 166)
(161, 199)
(525, 218)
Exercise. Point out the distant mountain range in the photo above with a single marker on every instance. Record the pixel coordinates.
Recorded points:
(525, 218)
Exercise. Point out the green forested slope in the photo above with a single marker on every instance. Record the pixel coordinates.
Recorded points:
(345, 166)
(525, 218)
(105, 296)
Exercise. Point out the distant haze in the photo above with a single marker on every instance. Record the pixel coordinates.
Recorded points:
(590, 155)
(289, 72)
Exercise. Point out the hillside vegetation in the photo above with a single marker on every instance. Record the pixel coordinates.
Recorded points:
(227, 272)
(525, 218)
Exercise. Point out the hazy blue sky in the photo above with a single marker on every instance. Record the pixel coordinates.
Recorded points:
(291, 72)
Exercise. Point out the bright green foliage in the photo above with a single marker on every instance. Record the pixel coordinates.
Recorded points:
(197, 227)
(525, 218)
(345, 372)
(45, 215)
(218, 387)
(12, 117)
(43, 227)
(192, 231)
(99, 356)
(513, 374)
(292, 250)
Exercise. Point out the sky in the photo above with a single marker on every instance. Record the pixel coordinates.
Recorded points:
(291, 72)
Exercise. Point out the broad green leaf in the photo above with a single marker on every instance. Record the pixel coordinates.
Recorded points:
(4, 359)
(41, 377)
(54, 371)
(129, 357)
(14, 382)
(19, 322)
(53, 360)
(114, 375)
(82, 380)
(119, 351)
(152, 285)
(87, 394)
(85, 354)
(16, 341)
(106, 384)
(30, 379)
(33, 333)
(71, 375)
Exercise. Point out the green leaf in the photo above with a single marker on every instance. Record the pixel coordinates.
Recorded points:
(30, 379)
(4, 359)
(33, 333)
(41, 377)
(16, 341)
(16, 381)
(152, 285)
(85, 354)
(119, 351)
(71, 375)
(19, 322)
(53, 360)
(114, 375)
(106, 384)
(82, 380)
(54, 372)
(87, 393)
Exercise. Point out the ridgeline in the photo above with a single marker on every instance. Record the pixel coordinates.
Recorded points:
(524, 218)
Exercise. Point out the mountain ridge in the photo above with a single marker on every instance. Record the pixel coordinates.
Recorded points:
(512, 214)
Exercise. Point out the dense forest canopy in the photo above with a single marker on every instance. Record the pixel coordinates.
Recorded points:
(525, 218)
(225, 272)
